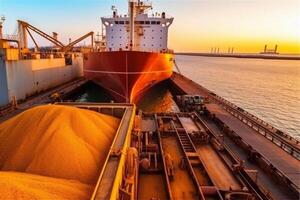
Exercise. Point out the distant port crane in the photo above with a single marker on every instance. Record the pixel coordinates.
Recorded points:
(270, 51)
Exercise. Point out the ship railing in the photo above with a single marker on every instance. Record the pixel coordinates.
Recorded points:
(263, 162)
(260, 121)
(150, 16)
(167, 51)
(269, 126)
(9, 37)
(282, 140)
(41, 55)
(265, 192)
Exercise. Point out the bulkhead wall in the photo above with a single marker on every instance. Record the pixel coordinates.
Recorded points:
(3, 85)
(28, 77)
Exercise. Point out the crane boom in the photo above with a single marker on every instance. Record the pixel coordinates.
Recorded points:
(41, 33)
(70, 46)
(64, 48)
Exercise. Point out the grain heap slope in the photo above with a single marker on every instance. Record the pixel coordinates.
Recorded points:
(61, 144)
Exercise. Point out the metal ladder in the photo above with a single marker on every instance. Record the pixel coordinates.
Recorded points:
(191, 155)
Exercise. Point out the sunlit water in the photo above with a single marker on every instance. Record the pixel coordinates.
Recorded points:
(158, 99)
(269, 89)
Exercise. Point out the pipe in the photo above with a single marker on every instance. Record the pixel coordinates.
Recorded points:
(55, 35)
(1, 34)
(22, 34)
(265, 50)
(132, 18)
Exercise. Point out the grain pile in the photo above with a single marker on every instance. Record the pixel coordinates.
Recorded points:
(54, 141)
(22, 186)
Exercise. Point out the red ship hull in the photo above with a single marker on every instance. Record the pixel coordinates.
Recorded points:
(127, 74)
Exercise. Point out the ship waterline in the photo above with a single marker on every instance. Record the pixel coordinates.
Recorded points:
(128, 74)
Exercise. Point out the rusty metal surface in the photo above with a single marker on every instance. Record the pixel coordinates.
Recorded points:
(188, 124)
(216, 169)
(263, 179)
(251, 120)
(278, 157)
(148, 125)
(211, 169)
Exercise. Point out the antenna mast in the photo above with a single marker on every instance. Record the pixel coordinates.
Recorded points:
(2, 19)
(132, 19)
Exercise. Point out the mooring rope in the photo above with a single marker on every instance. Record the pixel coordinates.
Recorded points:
(177, 67)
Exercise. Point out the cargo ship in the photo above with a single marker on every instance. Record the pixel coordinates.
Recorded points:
(136, 54)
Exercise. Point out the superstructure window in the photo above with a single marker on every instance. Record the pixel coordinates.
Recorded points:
(127, 22)
(158, 22)
(147, 22)
(140, 22)
(153, 22)
(121, 22)
(116, 22)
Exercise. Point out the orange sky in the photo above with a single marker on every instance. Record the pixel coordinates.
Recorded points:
(246, 25)
(199, 25)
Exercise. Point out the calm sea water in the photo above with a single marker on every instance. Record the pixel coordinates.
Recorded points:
(269, 89)
(158, 99)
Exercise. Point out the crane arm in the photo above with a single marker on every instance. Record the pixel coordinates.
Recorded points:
(41, 33)
(70, 46)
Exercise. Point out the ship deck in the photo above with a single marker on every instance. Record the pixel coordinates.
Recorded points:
(262, 145)
(186, 167)
(190, 155)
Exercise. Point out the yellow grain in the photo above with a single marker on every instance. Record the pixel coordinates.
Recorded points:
(55, 141)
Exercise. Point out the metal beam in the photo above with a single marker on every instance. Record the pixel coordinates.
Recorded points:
(41, 33)
(71, 45)
(63, 47)
(32, 38)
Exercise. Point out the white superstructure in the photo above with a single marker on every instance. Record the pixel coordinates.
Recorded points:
(137, 30)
